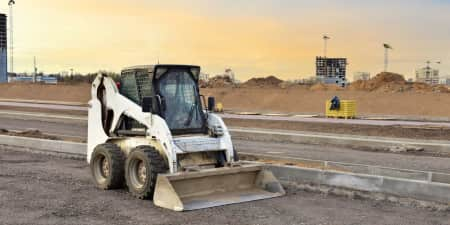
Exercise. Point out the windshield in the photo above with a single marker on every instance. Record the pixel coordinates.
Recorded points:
(181, 103)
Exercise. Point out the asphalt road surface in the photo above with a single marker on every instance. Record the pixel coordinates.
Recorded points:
(37, 189)
(69, 107)
(336, 121)
(78, 128)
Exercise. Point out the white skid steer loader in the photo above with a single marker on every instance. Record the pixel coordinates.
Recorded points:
(152, 133)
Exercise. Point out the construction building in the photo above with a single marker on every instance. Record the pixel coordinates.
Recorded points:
(361, 76)
(427, 75)
(3, 50)
(331, 70)
(445, 81)
(204, 77)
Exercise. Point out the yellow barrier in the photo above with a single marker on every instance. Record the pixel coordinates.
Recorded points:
(219, 107)
(346, 111)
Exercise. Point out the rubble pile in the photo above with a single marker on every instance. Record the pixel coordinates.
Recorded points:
(270, 81)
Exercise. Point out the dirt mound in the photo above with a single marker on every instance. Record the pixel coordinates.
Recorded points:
(219, 82)
(392, 82)
(31, 133)
(270, 81)
(441, 89)
(383, 81)
(301, 100)
(60, 92)
(326, 87)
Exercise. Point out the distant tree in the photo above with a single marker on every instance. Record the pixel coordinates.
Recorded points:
(84, 78)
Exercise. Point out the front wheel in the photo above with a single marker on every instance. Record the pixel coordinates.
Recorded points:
(141, 171)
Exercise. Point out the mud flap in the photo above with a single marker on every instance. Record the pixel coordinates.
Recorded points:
(215, 187)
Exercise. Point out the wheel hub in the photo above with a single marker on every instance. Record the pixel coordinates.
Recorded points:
(142, 172)
(105, 167)
(138, 173)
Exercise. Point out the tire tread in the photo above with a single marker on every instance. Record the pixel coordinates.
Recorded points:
(157, 165)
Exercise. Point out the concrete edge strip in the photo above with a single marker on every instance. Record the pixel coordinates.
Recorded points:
(342, 138)
(43, 115)
(45, 106)
(409, 174)
(43, 102)
(423, 190)
(43, 145)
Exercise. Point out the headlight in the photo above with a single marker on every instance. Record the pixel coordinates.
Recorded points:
(216, 131)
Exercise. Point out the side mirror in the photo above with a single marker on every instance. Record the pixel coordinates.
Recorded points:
(147, 104)
(151, 104)
(211, 103)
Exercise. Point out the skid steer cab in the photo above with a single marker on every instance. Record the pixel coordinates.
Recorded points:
(154, 134)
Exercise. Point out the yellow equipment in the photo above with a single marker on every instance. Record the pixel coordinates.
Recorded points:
(347, 110)
(219, 107)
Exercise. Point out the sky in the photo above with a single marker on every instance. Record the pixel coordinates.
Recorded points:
(253, 37)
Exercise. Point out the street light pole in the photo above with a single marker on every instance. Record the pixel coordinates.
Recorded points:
(325, 45)
(387, 47)
(11, 3)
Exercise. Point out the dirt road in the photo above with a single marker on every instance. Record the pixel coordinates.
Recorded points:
(78, 130)
(337, 154)
(37, 189)
(301, 100)
(290, 100)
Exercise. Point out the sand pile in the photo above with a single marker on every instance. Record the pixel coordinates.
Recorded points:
(326, 87)
(61, 92)
(220, 82)
(31, 133)
(392, 82)
(270, 81)
(383, 81)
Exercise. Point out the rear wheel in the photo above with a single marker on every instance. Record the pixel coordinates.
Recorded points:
(141, 171)
(107, 164)
(236, 155)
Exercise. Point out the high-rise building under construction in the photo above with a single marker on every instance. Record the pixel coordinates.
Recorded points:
(331, 70)
(3, 50)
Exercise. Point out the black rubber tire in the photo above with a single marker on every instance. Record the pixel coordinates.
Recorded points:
(236, 155)
(116, 160)
(154, 164)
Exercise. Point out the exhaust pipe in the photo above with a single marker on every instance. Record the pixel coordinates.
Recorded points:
(215, 187)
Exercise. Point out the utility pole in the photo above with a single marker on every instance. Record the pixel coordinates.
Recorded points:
(387, 47)
(11, 3)
(35, 71)
(325, 45)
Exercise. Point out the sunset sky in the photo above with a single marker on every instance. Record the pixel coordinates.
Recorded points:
(253, 37)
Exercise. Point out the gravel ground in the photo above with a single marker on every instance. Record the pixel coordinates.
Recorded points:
(38, 189)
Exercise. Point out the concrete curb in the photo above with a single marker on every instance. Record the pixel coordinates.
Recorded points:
(43, 102)
(428, 190)
(35, 144)
(421, 190)
(350, 141)
(351, 168)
